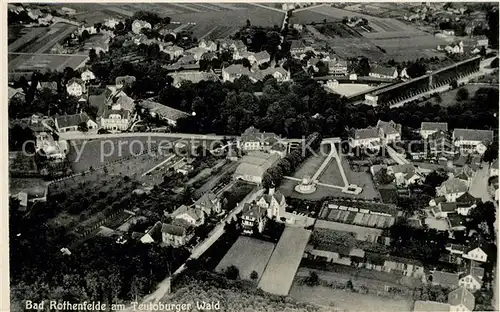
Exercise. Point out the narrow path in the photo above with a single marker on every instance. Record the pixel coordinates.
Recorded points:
(267, 7)
(159, 165)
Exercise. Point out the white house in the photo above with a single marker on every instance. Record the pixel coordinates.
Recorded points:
(170, 114)
(472, 278)
(365, 138)
(191, 215)
(253, 166)
(428, 128)
(111, 22)
(404, 174)
(476, 254)
(115, 119)
(208, 203)
(87, 76)
(208, 45)
(254, 140)
(274, 202)
(138, 25)
(70, 123)
(75, 87)
(253, 217)
(465, 203)
(260, 58)
(197, 52)
(174, 51)
(471, 140)
(451, 189)
(389, 131)
(338, 67)
(383, 72)
(461, 300)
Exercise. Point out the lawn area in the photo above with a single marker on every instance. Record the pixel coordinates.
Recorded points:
(285, 260)
(341, 300)
(348, 89)
(247, 254)
(361, 179)
(331, 174)
(449, 97)
(309, 166)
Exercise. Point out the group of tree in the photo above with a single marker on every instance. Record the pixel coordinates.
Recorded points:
(261, 39)
(287, 165)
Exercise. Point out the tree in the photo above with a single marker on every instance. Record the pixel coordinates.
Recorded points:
(363, 68)
(462, 94)
(92, 56)
(491, 152)
(254, 275)
(382, 177)
(83, 127)
(349, 285)
(248, 23)
(232, 272)
(246, 63)
(494, 63)
(345, 20)
(85, 35)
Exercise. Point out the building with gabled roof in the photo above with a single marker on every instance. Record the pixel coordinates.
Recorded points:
(70, 123)
(254, 140)
(122, 81)
(494, 168)
(383, 72)
(253, 217)
(472, 140)
(389, 131)
(152, 234)
(461, 300)
(192, 76)
(365, 138)
(138, 25)
(170, 114)
(452, 189)
(75, 87)
(430, 306)
(175, 235)
(428, 128)
(208, 203)
(475, 253)
(472, 278)
(15, 94)
(191, 215)
(253, 166)
(465, 203)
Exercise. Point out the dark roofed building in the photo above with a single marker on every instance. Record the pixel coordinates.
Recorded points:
(383, 72)
(445, 279)
(175, 235)
(68, 123)
(170, 114)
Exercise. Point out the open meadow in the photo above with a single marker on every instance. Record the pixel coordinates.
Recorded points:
(247, 254)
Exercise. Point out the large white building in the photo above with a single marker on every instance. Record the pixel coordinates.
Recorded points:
(471, 140)
(115, 119)
(365, 138)
(138, 25)
(253, 166)
(428, 128)
(70, 123)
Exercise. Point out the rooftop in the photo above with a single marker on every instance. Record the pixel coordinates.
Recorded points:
(436, 126)
(163, 110)
(462, 296)
(473, 135)
(445, 278)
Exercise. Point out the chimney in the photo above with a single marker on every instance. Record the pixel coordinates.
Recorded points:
(271, 191)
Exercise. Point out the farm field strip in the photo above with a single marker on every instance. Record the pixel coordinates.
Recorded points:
(285, 260)
(362, 233)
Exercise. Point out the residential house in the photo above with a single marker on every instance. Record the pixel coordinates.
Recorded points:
(430, 306)
(383, 72)
(404, 174)
(482, 42)
(274, 202)
(152, 234)
(138, 25)
(456, 249)
(208, 45)
(208, 56)
(365, 138)
(111, 22)
(208, 203)
(87, 75)
(456, 222)
(445, 279)
(465, 174)
(448, 32)
(170, 114)
(405, 266)
(70, 123)
(234, 45)
(455, 48)
(279, 149)
(34, 13)
(233, 72)
(440, 144)
(193, 216)
(192, 76)
(471, 140)
(197, 52)
(46, 20)
(68, 11)
(89, 28)
(254, 140)
(48, 85)
(472, 278)
(465, 203)
(451, 189)
(389, 131)
(15, 94)
(260, 58)
(461, 300)
(253, 218)
(122, 81)
(475, 253)
(186, 59)
(494, 168)
(253, 166)
(442, 210)
(428, 128)
(100, 43)
(175, 235)
(173, 51)
(338, 67)
(75, 87)
(115, 119)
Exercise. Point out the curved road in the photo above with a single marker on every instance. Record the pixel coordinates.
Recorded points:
(186, 136)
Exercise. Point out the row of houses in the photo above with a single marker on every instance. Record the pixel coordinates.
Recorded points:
(375, 137)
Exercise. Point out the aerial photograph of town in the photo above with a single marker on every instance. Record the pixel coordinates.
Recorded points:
(237, 156)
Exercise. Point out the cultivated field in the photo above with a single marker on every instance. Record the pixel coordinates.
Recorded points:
(247, 254)
(44, 62)
(285, 260)
(356, 218)
(362, 233)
